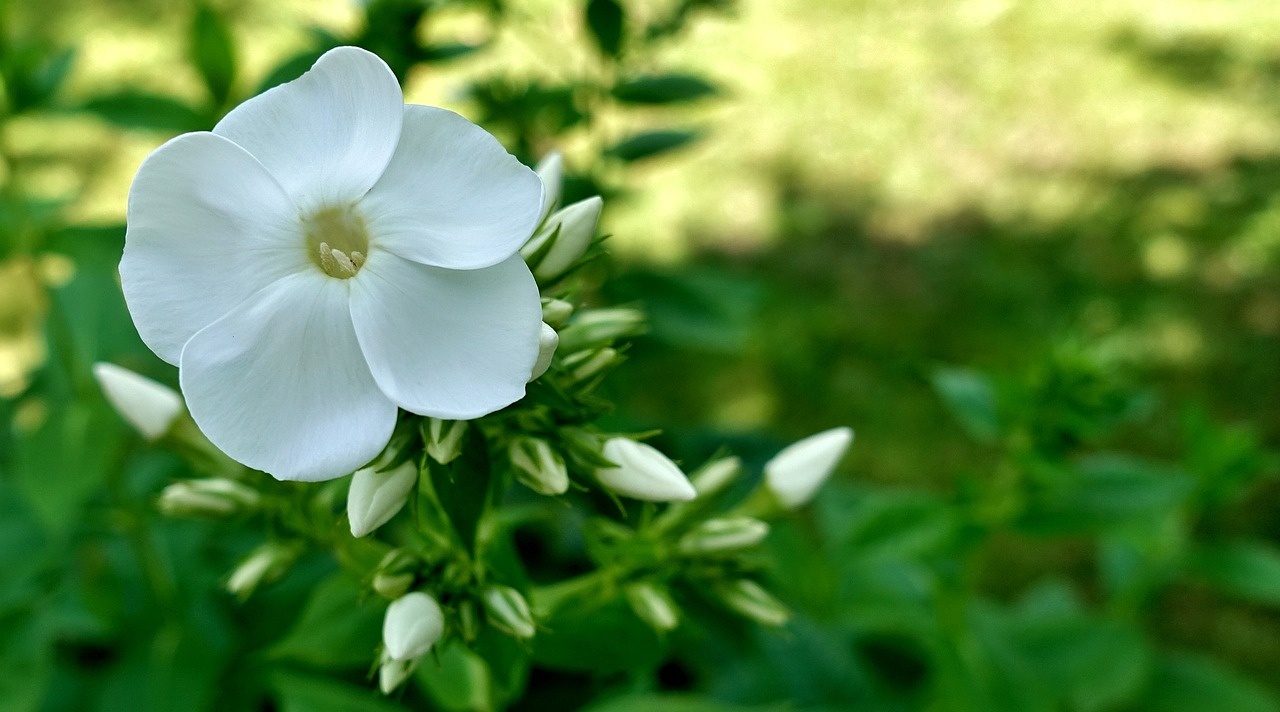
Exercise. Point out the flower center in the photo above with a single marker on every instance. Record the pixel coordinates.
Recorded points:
(337, 241)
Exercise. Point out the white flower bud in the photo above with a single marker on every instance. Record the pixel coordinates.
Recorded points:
(508, 611)
(653, 606)
(713, 477)
(375, 497)
(444, 439)
(716, 536)
(796, 473)
(556, 312)
(267, 563)
(217, 497)
(563, 239)
(643, 473)
(538, 466)
(548, 340)
(748, 598)
(414, 622)
(550, 169)
(601, 327)
(149, 407)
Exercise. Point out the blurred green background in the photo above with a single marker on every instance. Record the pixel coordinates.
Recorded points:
(1028, 250)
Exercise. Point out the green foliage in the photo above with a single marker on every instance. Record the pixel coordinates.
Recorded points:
(1035, 572)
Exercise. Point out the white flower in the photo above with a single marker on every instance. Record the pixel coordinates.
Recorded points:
(327, 254)
(796, 473)
(375, 497)
(643, 473)
(414, 623)
(148, 406)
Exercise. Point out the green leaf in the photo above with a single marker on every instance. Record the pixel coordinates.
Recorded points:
(291, 68)
(605, 20)
(213, 52)
(597, 636)
(1107, 492)
(463, 486)
(134, 109)
(64, 461)
(676, 703)
(1248, 570)
(298, 692)
(650, 143)
(1185, 681)
(662, 89)
(457, 680)
(336, 628)
(971, 399)
(26, 665)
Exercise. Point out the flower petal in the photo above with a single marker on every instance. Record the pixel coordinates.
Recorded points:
(208, 227)
(280, 383)
(452, 196)
(327, 135)
(454, 344)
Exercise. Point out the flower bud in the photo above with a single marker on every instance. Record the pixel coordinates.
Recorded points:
(444, 439)
(714, 477)
(414, 622)
(601, 327)
(550, 170)
(151, 408)
(217, 497)
(396, 574)
(586, 365)
(749, 599)
(653, 606)
(795, 474)
(563, 239)
(267, 563)
(556, 312)
(375, 497)
(538, 466)
(642, 472)
(548, 340)
(392, 673)
(507, 611)
(716, 536)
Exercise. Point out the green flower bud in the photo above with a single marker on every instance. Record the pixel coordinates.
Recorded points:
(444, 439)
(586, 365)
(653, 606)
(718, 536)
(216, 497)
(396, 574)
(713, 477)
(556, 312)
(267, 563)
(601, 327)
(507, 611)
(749, 599)
(538, 466)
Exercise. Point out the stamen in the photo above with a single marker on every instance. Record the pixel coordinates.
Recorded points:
(357, 258)
(344, 263)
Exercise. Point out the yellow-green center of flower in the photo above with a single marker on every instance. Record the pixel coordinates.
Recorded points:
(337, 241)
